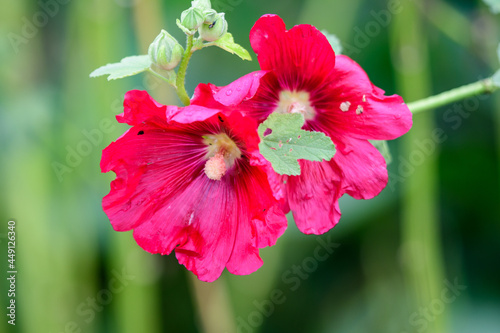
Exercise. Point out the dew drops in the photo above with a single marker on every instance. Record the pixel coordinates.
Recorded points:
(229, 92)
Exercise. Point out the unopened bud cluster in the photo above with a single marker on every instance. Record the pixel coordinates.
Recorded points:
(202, 18)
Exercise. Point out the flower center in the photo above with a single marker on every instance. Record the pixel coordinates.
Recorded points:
(295, 102)
(222, 153)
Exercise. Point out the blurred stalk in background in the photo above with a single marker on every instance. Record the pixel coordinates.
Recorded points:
(422, 260)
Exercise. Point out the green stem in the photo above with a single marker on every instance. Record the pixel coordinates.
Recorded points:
(181, 74)
(485, 86)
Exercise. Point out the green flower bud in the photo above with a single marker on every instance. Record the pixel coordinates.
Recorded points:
(215, 30)
(192, 18)
(165, 52)
(210, 15)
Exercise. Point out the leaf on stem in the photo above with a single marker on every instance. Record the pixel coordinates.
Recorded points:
(283, 143)
(227, 43)
(126, 67)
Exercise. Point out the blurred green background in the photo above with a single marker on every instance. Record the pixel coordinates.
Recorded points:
(421, 257)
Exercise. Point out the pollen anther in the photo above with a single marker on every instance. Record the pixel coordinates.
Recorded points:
(215, 167)
(344, 106)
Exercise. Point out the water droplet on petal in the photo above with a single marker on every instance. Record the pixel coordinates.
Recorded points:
(229, 92)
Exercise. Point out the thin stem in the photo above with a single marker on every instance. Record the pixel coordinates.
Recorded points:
(181, 74)
(485, 86)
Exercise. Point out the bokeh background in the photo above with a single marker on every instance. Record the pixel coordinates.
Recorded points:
(423, 256)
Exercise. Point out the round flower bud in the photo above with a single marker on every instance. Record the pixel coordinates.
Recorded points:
(214, 30)
(165, 52)
(192, 18)
(210, 15)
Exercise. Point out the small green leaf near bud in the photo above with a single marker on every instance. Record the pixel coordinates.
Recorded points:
(192, 18)
(227, 43)
(126, 67)
(165, 52)
(214, 30)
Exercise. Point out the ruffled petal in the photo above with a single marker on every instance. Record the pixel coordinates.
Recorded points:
(313, 197)
(139, 106)
(240, 90)
(352, 106)
(363, 168)
(301, 58)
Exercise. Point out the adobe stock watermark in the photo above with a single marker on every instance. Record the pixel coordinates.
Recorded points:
(454, 116)
(372, 29)
(88, 308)
(292, 278)
(31, 26)
(420, 319)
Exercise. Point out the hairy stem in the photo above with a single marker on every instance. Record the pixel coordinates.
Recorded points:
(485, 86)
(181, 74)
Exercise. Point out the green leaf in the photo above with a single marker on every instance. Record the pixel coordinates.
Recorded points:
(383, 148)
(283, 143)
(334, 42)
(494, 5)
(227, 43)
(126, 67)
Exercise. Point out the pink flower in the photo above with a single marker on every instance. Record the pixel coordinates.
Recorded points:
(336, 97)
(187, 184)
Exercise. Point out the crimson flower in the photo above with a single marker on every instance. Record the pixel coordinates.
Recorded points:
(187, 183)
(337, 98)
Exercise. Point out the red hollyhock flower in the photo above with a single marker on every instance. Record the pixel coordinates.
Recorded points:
(188, 184)
(337, 98)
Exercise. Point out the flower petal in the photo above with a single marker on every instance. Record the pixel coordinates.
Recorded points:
(313, 197)
(237, 91)
(139, 106)
(352, 106)
(301, 58)
(364, 171)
